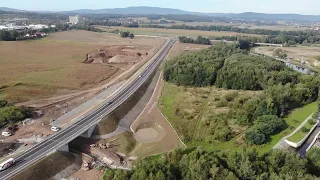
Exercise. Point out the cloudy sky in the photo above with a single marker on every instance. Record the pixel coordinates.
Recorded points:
(226, 6)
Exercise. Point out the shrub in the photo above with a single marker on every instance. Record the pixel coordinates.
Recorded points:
(253, 136)
(231, 96)
(222, 103)
(305, 130)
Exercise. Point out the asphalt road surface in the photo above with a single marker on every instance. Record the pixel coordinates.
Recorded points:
(64, 136)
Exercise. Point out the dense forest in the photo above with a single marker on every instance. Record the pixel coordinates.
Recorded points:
(198, 40)
(229, 67)
(231, 165)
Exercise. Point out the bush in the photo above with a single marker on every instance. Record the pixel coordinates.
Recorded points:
(312, 122)
(253, 136)
(305, 130)
(222, 103)
(231, 96)
(264, 126)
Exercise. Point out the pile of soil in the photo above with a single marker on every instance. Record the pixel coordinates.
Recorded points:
(114, 54)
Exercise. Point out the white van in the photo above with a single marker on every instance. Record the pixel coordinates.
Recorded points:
(6, 133)
(8, 163)
(55, 129)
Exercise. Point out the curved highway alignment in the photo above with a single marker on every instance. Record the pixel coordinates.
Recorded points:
(64, 136)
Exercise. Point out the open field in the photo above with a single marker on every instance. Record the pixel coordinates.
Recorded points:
(306, 53)
(180, 48)
(240, 25)
(175, 32)
(190, 109)
(53, 65)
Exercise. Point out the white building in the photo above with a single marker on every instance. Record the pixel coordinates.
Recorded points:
(74, 19)
(37, 26)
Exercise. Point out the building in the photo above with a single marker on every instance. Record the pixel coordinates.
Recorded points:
(74, 19)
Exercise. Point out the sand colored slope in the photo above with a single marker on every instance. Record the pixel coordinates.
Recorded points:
(152, 131)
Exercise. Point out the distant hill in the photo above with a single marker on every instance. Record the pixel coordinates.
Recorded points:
(263, 16)
(11, 9)
(134, 10)
(140, 10)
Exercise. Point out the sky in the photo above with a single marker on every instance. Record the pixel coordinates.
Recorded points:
(214, 6)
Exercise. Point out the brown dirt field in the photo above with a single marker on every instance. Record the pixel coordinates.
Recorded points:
(53, 65)
(93, 174)
(176, 32)
(166, 140)
(180, 48)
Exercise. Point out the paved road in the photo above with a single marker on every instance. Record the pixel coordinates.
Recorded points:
(66, 135)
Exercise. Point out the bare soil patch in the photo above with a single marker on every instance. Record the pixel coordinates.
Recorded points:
(154, 134)
(149, 133)
(53, 65)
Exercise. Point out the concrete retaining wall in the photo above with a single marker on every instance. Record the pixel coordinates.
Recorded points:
(314, 140)
(298, 144)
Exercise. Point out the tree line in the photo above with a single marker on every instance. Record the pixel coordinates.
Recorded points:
(272, 36)
(198, 40)
(14, 35)
(230, 165)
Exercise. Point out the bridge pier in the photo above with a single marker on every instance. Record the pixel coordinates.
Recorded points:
(64, 148)
(89, 132)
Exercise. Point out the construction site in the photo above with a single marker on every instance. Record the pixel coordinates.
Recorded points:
(136, 129)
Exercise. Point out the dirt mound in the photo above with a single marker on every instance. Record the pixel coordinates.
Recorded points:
(149, 133)
(114, 54)
(124, 59)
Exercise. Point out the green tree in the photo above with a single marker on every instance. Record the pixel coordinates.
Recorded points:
(131, 35)
(124, 34)
(313, 156)
(10, 114)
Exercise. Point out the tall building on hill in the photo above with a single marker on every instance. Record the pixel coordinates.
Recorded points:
(74, 19)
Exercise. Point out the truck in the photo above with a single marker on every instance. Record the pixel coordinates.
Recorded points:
(6, 164)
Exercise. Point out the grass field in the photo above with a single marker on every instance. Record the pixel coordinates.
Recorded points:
(180, 48)
(188, 109)
(175, 32)
(194, 105)
(53, 65)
